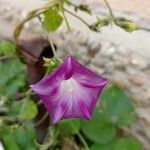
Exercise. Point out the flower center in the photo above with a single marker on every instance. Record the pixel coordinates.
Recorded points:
(69, 85)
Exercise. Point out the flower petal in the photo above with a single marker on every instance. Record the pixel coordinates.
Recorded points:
(86, 76)
(84, 109)
(50, 82)
(69, 68)
(93, 85)
(59, 112)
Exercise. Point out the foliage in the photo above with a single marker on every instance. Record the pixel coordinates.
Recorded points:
(12, 77)
(18, 137)
(126, 144)
(13, 83)
(7, 47)
(126, 24)
(98, 129)
(117, 106)
(52, 20)
(116, 110)
(29, 110)
(73, 126)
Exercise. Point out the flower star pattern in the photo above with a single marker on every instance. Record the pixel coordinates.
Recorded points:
(70, 91)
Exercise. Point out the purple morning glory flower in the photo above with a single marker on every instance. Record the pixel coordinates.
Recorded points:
(70, 91)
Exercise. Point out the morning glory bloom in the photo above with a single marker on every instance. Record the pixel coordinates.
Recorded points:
(70, 91)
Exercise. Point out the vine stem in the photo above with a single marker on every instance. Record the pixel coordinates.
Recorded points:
(41, 120)
(76, 16)
(61, 7)
(48, 36)
(66, 21)
(5, 57)
(81, 138)
(110, 10)
(34, 13)
(10, 119)
(83, 141)
(52, 46)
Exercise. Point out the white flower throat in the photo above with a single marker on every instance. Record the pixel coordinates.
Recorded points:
(69, 85)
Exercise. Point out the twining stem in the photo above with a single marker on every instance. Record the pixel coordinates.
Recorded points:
(110, 10)
(28, 93)
(52, 46)
(41, 120)
(31, 15)
(9, 119)
(70, 3)
(76, 16)
(47, 145)
(66, 21)
(61, 7)
(81, 138)
(5, 57)
(83, 141)
(47, 34)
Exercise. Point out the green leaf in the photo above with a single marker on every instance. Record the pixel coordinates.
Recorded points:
(71, 126)
(10, 143)
(11, 70)
(7, 47)
(25, 109)
(18, 137)
(8, 138)
(14, 108)
(117, 106)
(127, 144)
(25, 137)
(107, 146)
(28, 110)
(51, 64)
(52, 20)
(13, 86)
(13, 77)
(98, 130)
(126, 24)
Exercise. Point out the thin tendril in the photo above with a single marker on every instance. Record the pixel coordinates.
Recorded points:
(76, 16)
(83, 141)
(66, 21)
(110, 10)
(41, 120)
(51, 43)
(81, 138)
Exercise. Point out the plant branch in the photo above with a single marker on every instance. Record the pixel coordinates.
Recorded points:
(81, 138)
(5, 57)
(66, 21)
(9, 119)
(34, 13)
(61, 7)
(76, 16)
(42, 119)
(110, 10)
(51, 43)
(83, 141)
